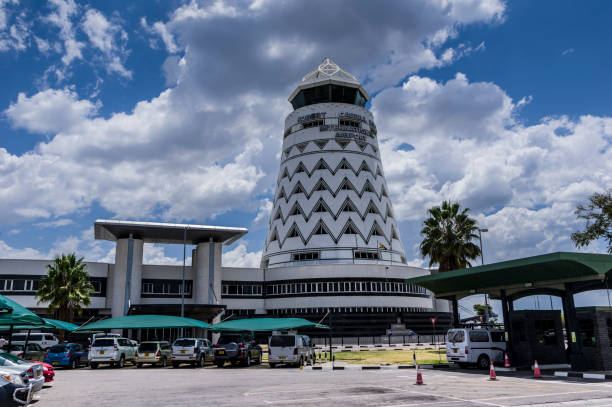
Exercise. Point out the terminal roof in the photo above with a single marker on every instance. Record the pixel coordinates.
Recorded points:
(170, 233)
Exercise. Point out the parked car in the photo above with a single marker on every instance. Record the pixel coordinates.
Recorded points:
(33, 371)
(468, 346)
(237, 349)
(111, 350)
(48, 372)
(70, 355)
(34, 351)
(154, 352)
(291, 349)
(44, 340)
(195, 351)
(13, 390)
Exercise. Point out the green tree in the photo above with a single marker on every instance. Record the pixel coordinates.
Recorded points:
(598, 215)
(448, 235)
(66, 287)
(480, 309)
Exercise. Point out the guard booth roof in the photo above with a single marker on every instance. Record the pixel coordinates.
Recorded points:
(544, 271)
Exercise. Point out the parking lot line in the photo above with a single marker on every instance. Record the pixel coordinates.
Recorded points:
(538, 395)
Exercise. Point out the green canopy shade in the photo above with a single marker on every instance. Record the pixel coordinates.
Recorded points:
(11, 313)
(66, 326)
(264, 324)
(546, 271)
(144, 322)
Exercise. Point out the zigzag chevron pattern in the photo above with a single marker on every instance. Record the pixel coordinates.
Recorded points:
(331, 191)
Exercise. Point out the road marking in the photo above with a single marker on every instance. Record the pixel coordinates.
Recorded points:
(539, 395)
(445, 396)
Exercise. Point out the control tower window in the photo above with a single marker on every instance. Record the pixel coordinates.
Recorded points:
(347, 122)
(313, 123)
(327, 94)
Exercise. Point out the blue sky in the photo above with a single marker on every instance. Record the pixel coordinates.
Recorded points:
(173, 111)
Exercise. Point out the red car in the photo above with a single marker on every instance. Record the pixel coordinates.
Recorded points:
(48, 371)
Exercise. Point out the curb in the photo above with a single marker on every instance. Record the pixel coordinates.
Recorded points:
(373, 367)
(583, 375)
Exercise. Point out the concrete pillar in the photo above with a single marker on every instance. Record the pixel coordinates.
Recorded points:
(456, 319)
(576, 357)
(207, 273)
(121, 269)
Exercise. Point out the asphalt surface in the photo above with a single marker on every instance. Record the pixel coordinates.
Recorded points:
(262, 386)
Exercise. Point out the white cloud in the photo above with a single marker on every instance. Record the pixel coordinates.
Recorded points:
(241, 257)
(263, 213)
(51, 110)
(14, 30)
(568, 51)
(521, 182)
(54, 223)
(8, 252)
(109, 38)
(61, 17)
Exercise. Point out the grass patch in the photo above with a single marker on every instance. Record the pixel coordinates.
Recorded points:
(393, 357)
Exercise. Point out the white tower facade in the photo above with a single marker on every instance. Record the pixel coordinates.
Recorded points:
(331, 203)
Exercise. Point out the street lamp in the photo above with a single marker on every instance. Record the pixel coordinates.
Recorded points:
(486, 306)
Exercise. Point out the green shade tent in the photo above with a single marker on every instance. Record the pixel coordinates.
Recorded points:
(264, 324)
(66, 326)
(11, 314)
(143, 322)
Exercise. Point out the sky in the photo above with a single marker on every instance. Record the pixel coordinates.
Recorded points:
(174, 111)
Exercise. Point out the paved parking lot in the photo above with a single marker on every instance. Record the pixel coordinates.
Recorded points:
(262, 386)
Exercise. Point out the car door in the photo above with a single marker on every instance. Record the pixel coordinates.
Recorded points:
(34, 352)
(80, 354)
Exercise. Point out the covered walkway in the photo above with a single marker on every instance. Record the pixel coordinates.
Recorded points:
(560, 274)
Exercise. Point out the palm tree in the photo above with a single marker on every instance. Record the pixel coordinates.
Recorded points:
(66, 287)
(448, 235)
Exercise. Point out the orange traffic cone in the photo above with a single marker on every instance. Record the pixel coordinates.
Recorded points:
(536, 370)
(492, 375)
(506, 361)
(419, 375)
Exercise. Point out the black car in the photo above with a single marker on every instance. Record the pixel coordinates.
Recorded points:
(238, 349)
(13, 394)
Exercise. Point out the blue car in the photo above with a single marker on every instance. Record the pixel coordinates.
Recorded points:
(70, 355)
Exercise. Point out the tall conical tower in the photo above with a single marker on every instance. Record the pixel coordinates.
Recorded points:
(332, 203)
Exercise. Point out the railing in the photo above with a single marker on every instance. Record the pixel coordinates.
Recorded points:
(381, 340)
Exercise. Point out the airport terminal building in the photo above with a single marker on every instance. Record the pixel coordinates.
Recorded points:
(333, 243)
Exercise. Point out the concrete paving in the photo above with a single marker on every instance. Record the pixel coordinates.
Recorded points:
(262, 386)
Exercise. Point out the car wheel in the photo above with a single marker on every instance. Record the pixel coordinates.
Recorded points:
(163, 362)
(248, 360)
(73, 364)
(219, 364)
(121, 362)
(93, 365)
(138, 365)
(259, 359)
(483, 362)
(201, 361)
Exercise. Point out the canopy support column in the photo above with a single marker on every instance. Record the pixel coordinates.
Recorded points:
(576, 357)
(455, 304)
(506, 306)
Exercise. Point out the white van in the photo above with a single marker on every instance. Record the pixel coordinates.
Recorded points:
(291, 349)
(44, 340)
(475, 346)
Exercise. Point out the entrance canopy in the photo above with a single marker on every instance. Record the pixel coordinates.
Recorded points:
(144, 322)
(264, 324)
(169, 233)
(545, 272)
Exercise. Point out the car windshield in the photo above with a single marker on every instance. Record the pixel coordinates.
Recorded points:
(184, 342)
(103, 342)
(225, 339)
(282, 340)
(58, 349)
(147, 347)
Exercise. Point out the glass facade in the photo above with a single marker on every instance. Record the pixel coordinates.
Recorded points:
(328, 94)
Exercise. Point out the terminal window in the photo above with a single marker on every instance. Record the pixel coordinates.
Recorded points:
(305, 256)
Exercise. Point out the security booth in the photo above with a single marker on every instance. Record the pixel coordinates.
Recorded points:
(559, 274)
(538, 335)
(596, 336)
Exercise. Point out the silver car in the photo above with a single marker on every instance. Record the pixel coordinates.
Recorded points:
(32, 371)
